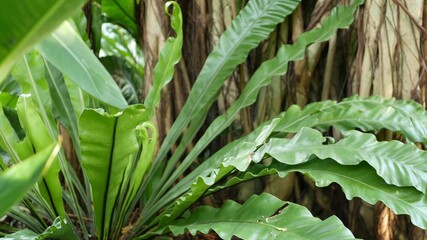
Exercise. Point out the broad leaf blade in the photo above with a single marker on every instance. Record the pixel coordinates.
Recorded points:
(253, 24)
(17, 180)
(61, 103)
(397, 163)
(59, 229)
(107, 143)
(24, 23)
(256, 219)
(372, 113)
(237, 154)
(341, 17)
(66, 51)
(37, 134)
(362, 181)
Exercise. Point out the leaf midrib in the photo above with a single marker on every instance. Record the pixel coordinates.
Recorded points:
(109, 177)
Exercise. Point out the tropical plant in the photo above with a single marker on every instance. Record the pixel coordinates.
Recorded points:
(122, 186)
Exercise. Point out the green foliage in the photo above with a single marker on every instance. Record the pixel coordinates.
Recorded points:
(26, 22)
(169, 56)
(232, 219)
(117, 179)
(66, 51)
(59, 229)
(17, 180)
(107, 144)
(121, 12)
(38, 139)
(261, 78)
(397, 163)
(258, 19)
(406, 117)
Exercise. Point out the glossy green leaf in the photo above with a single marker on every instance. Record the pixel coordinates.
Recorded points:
(362, 181)
(121, 12)
(356, 181)
(397, 163)
(108, 142)
(169, 57)
(253, 24)
(59, 229)
(254, 171)
(66, 51)
(24, 23)
(372, 113)
(8, 137)
(37, 134)
(147, 137)
(237, 154)
(24, 234)
(79, 99)
(17, 180)
(61, 103)
(340, 17)
(256, 219)
(34, 73)
(29, 71)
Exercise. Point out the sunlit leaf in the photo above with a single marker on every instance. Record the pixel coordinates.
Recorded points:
(26, 22)
(372, 113)
(107, 144)
(257, 219)
(17, 180)
(66, 51)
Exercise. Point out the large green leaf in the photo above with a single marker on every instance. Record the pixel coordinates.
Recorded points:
(397, 163)
(59, 229)
(24, 23)
(61, 103)
(256, 219)
(253, 24)
(29, 71)
(35, 75)
(38, 138)
(17, 180)
(362, 181)
(373, 113)
(108, 142)
(237, 154)
(340, 17)
(169, 56)
(122, 12)
(356, 181)
(66, 51)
